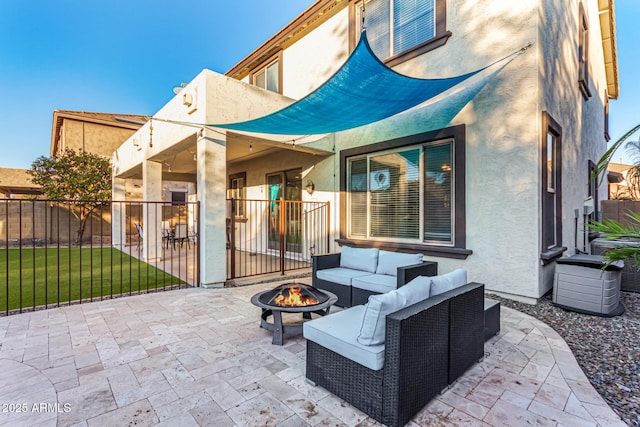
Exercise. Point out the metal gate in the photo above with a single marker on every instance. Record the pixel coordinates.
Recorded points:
(269, 236)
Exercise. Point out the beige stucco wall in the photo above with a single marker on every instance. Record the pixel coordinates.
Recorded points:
(311, 61)
(92, 137)
(15, 178)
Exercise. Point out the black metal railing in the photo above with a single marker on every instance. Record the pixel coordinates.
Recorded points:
(60, 252)
(269, 236)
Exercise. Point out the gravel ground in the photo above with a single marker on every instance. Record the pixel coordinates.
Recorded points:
(607, 349)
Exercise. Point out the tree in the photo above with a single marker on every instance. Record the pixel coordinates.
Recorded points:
(628, 250)
(601, 167)
(83, 179)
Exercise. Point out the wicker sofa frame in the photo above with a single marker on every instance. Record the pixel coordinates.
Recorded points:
(348, 296)
(427, 347)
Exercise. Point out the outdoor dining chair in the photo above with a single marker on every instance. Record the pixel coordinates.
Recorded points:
(181, 234)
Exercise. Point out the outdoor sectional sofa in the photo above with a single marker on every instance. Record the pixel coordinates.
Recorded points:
(357, 273)
(390, 357)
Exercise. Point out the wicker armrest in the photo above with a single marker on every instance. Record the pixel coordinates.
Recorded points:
(466, 335)
(324, 261)
(409, 272)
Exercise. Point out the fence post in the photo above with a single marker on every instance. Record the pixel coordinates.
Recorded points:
(231, 232)
(282, 234)
(328, 230)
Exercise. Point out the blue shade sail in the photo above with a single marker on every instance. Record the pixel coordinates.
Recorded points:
(363, 91)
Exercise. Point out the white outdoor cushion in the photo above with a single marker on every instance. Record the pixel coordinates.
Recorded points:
(359, 258)
(375, 283)
(340, 275)
(446, 282)
(373, 324)
(339, 331)
(388, 262)
(416, 290)
(379, 306)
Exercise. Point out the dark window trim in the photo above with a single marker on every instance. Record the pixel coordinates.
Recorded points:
(551, 255)
(242, 175)
(439, 39)
(583, 53)
(459, 249)
(607, 137)
(593, 192)
(264, 64)
(182, 201)
(549, 125)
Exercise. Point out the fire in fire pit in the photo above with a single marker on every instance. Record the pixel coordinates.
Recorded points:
(291, 298)
(293, 295)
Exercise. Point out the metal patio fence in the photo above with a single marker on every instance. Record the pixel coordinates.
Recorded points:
(60, 252)
(270, 236)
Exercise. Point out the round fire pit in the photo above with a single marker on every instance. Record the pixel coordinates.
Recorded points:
(291, 298)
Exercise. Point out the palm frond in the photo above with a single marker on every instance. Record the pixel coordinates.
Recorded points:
(601, 167)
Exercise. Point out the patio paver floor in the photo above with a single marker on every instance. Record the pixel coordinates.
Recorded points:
(197, 357)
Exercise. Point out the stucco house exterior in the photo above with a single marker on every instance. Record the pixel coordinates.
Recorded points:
(492, 188)
(17, 183)
(93, 132)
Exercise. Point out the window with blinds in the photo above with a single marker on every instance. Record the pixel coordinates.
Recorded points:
(402, 195)
(395, 26)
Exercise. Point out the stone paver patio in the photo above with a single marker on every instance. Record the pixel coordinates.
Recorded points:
(197, 357)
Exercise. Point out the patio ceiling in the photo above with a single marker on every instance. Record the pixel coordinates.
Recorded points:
(179, 162)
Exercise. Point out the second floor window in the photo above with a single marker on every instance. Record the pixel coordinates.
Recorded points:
(583, 54)
(268, 77)
(396, 26)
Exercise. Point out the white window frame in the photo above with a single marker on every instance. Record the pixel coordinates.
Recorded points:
(264, 70)
(392, 28)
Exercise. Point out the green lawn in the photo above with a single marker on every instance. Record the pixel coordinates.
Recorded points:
(34, 276)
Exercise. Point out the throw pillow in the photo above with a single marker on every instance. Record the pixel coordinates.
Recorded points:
(446, 282)
(416, 290)
(359, 258)
(388, 262)
(372, 331)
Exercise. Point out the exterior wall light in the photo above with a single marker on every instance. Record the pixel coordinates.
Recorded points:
(310, 186)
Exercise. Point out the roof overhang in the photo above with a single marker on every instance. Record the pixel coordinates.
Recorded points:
(320, 11)
(608, 30)
(614, 177)
(20, 190)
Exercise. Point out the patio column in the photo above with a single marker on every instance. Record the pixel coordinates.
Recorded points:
(118, 212)
(212, 188)
(152, 213)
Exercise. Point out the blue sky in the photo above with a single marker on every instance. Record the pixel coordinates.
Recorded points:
(624, 112)
(126, 57)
